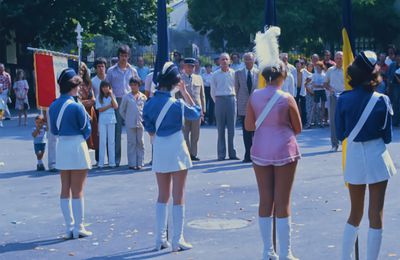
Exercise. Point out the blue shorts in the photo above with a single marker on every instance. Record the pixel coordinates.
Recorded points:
(40, 147)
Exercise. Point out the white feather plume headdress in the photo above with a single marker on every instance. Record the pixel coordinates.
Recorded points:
(267, 47)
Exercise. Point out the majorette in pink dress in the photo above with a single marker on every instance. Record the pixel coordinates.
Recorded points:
(274, 141)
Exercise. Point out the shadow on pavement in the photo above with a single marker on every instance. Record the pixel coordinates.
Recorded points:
(21, 246)
(143, 253)
(30, 174)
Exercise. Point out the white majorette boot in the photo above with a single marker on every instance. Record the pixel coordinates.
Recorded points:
(283, 228)
(178, 217)
(78, 209)
(65, 205)
(349, 239)
(265, 224)
(374, 243)
(161, 226)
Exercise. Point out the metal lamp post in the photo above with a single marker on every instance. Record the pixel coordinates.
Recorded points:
(78, 31)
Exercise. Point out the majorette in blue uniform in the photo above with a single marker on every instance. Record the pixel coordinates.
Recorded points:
(364, 118)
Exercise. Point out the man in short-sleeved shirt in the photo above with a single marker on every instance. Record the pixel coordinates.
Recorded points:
(334, 83)
(118, 76)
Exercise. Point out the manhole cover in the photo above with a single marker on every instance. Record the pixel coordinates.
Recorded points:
(218, 223)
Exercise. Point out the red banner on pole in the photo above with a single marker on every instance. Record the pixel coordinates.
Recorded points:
(45, 80)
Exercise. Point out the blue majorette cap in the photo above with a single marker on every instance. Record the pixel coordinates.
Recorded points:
(66, 75)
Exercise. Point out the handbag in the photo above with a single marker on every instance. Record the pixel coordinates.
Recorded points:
(26, 107)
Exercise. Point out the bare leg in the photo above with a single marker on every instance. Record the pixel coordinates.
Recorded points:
(25, 117)
(178, 211)
(19, 117)
(65, 184)
(284, 177)
(164, 187)
(78, 178)
(265, 182)
(178, 187)
(375, 212)
(357, 193)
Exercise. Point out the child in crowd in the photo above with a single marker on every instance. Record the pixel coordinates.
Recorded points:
(131, 110)
(106, 105)
(39, 141)
(21, 89)
(318, 79)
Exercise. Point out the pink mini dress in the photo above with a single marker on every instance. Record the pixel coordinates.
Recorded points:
(274, 142)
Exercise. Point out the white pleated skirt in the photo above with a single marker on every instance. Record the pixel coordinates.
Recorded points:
(170, 153)
(72, 153)
(368, 162)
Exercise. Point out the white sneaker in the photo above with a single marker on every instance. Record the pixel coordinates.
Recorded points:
(1, 123)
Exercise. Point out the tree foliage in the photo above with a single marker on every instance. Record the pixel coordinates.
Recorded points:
(46, 23)
(307, 25)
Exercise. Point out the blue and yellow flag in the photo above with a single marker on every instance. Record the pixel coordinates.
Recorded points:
(269, 20)
(162, 38)
(348, 55)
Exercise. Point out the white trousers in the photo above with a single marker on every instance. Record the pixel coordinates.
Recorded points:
(135, 148)
(107, 137)
(51, 147)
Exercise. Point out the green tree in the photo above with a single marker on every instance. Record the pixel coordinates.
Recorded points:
(307, 26)
(45, 23)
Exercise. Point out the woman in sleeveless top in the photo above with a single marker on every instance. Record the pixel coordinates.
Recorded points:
(163, 119)
(364, 118)
(69, 120)
(274, 154)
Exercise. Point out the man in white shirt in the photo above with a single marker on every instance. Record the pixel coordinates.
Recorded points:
(288, 85)
(285, 58)
(224, 96)
(246, 81)
(334, 83)
(100, 67)
(118, 76)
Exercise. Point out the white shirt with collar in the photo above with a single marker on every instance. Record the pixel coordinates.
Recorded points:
(288, 85)
(335, 78)
(223, 83)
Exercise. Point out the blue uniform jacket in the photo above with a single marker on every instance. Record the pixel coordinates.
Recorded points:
(172, 122)
(349, 108)
(75, 120)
